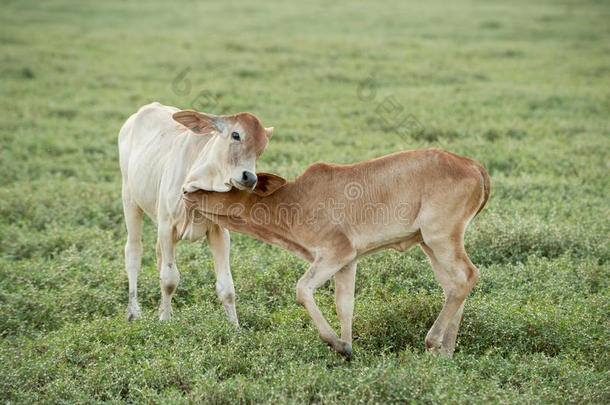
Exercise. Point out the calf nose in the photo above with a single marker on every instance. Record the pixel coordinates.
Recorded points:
(249, 179)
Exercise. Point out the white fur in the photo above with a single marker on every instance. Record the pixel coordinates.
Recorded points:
(157, 156)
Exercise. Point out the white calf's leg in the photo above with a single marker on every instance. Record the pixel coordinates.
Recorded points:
(133, 252)
(169, 274)
(345, 280)
(219, 241)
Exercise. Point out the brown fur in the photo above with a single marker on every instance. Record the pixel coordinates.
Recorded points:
(204, 123)
(252, 125)
(333, 222)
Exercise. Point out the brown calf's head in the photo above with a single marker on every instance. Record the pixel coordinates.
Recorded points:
(234, 202)
(228, 159)
(268, 183)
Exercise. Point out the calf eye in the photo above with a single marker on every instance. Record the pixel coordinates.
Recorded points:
(235, 136)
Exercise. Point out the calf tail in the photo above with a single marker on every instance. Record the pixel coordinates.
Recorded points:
(486, 187)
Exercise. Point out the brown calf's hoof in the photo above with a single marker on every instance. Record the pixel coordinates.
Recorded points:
(433, 344)
(346, 350)
(439, 351)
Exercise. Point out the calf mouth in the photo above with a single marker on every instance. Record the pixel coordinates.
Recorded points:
(241, 186)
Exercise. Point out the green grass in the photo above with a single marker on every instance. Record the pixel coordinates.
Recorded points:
(522, 87)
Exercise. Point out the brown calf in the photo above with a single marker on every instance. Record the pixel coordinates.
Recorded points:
(333, 214)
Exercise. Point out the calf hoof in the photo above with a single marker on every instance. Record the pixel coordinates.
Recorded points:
(438, 349)
(343, 348)
(433, 350)
(165, 314)
(433, 344)
(445, 352)
(439, 352)
(347, 351)
(133, 314)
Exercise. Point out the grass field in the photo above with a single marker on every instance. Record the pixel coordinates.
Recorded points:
(523, 87)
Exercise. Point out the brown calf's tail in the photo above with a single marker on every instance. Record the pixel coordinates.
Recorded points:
(486, 187)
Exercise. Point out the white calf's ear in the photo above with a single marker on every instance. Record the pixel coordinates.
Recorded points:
(269, 132)
(200, 123)
(268, 183)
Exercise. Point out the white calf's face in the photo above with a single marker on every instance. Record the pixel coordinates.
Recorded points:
(229, 158)
(241, 167)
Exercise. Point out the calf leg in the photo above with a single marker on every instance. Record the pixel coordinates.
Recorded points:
(159, 256)
(320, 271)
(452, 330)
(345, 280)
(133, 252)
(218, 239)
(457, 275)
(169, 274)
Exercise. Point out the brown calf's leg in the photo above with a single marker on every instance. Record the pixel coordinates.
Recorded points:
(345, 280)
(457, 275)
(452, 330)
(319, 272)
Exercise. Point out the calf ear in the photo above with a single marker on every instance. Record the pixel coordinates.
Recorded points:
(200, 123)
(268, 183)
(269, 132)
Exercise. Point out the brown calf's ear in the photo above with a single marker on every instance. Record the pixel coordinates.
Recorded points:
(269, 132)
(200, 123)
(268, 183)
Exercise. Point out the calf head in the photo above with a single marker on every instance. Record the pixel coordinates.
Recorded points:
(234, 203)
(228, 159)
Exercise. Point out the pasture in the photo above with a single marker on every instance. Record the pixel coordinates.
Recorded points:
(522, 87)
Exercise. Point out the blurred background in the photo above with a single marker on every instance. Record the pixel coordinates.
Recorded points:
(521, 86)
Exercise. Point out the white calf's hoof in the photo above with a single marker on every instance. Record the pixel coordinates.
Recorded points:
(133, 313)
(165, 314)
